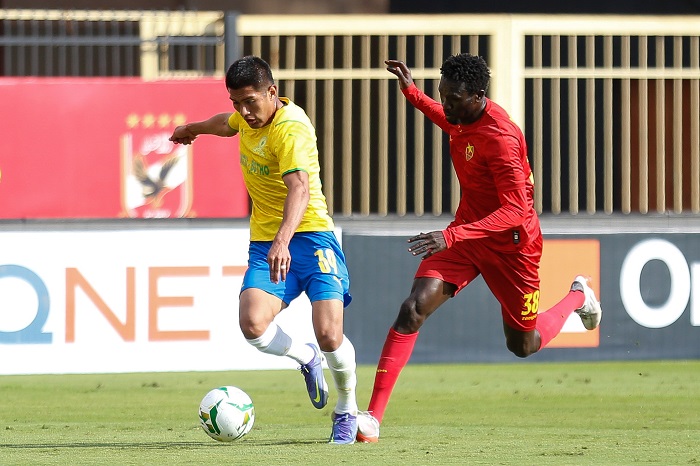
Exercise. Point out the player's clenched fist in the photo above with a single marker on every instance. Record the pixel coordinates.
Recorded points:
(183, 135)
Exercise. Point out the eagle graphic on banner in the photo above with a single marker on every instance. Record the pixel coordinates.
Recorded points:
(156, 174)
(153, 187)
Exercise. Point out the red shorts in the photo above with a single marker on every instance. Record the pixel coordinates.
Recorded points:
(512, 277)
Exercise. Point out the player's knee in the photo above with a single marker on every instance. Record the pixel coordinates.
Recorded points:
(520, 348)
(251, 328)
(329, 339)
(410, 318)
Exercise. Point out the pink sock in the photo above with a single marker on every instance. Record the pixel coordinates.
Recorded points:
(550, 322)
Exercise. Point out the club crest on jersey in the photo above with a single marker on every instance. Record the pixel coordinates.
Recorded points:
(469, 152)
(156, 175)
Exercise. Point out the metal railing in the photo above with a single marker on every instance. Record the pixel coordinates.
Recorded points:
(623, 95)
(609, 105)
(150, 44)
(579, 87)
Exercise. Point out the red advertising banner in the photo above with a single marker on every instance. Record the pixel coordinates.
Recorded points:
(98, 148)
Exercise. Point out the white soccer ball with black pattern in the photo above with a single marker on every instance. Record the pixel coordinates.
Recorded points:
(226, 413)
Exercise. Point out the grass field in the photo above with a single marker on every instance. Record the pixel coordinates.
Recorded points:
(502, 414)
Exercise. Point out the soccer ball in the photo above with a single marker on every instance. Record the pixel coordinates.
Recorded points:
(226, 413)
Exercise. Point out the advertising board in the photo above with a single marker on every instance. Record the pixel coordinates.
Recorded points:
(87, 148)
(78, 300)
(129, 301)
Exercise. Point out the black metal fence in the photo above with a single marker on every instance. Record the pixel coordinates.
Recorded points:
(105, 43)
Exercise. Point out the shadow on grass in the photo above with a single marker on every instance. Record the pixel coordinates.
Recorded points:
(153, 445)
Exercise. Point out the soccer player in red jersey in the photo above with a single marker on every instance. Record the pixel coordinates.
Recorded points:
(495, 233)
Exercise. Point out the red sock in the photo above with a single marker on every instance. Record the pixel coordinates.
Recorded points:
(550, 322)
(395, 355)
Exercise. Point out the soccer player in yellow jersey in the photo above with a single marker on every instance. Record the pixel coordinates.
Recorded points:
(293, 248)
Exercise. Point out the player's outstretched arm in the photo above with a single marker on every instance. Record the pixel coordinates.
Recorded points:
(216, 125)
(399, 68)
(429, 106)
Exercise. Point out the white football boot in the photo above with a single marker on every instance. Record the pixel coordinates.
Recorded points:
(590, 313)
(367, 428)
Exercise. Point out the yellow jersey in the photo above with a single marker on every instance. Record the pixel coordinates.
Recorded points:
(286, 145)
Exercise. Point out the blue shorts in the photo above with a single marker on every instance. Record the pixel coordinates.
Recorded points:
(317, 268)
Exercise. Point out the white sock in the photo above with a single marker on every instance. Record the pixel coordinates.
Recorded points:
(342, 364)
(275, 341)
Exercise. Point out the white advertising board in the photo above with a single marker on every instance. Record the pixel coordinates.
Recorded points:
(129, 301)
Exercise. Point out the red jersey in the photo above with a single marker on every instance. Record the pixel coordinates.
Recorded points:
(490, 159)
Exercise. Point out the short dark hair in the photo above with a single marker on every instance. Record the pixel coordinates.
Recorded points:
(249, 71)
(468, 69)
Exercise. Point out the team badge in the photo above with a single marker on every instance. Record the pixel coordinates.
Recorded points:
(469, 152)
(156, 175)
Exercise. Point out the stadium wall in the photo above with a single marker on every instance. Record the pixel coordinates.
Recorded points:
(149, 295)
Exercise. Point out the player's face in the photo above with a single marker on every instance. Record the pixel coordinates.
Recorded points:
(459, 106)
(256, 107)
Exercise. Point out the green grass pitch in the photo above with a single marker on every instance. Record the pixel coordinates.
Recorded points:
(604, 413)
